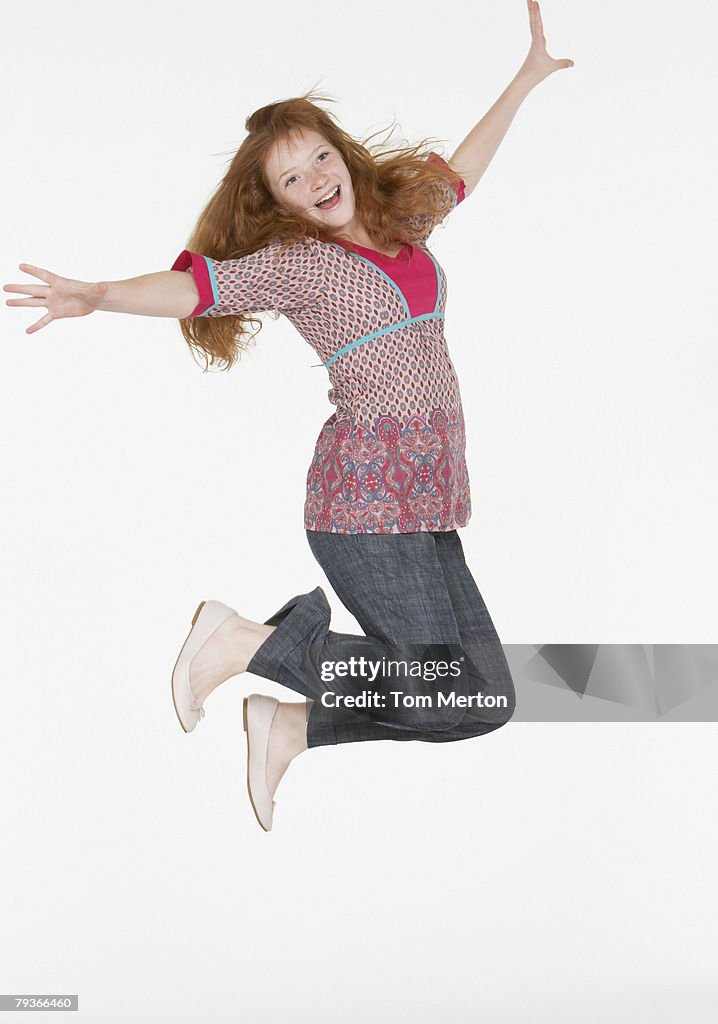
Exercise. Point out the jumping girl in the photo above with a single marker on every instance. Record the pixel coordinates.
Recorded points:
(309, 223)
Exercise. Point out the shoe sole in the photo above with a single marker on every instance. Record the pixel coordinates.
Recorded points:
(249, 788)
(194, 619)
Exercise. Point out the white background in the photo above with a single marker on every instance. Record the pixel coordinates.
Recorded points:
(543, 873)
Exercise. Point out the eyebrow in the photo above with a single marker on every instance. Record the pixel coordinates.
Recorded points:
(284, 173)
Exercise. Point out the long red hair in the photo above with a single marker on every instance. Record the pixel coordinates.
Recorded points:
(395, 190)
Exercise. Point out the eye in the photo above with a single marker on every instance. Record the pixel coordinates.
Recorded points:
(325, 153)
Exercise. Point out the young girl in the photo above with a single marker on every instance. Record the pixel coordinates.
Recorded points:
(310, 224)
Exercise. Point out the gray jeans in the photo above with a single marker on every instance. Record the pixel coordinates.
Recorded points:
(419, 607)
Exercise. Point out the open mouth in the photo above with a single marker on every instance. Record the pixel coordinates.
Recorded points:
(332, 200)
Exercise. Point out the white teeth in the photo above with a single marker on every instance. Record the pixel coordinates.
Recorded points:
(329, 195)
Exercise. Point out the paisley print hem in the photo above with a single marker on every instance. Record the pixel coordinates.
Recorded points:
(401, 477)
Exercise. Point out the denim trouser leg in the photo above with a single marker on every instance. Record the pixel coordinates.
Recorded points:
(491, 673)
(410, 593)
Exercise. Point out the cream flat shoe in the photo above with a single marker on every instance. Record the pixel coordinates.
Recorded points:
(207, 619)
(259, 712)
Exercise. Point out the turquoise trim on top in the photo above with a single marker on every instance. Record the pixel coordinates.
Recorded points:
(213, 282)
(393, 327)
(393, 284)
(378, 334)
(438, 279)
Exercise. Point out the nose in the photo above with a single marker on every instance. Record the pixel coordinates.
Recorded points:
(319, 182)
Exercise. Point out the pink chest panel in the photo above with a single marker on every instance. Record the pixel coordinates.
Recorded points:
(414, 273)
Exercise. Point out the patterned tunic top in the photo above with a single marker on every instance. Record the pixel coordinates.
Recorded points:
(391, 458)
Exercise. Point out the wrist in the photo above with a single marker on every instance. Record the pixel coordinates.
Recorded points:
(527, 78)
(106, 299)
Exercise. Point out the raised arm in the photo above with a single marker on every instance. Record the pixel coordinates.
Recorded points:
(169, 293)
(477, 150)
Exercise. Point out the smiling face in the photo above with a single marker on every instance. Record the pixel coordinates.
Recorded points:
(303, 169)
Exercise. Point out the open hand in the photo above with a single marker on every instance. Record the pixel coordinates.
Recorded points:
(61, 296)
(538, 64)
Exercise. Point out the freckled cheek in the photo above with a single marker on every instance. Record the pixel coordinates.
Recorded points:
(302, 203)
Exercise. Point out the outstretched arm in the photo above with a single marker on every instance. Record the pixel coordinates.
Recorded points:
(166, 293)
(478, 148)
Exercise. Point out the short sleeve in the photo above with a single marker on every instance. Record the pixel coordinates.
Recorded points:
(277, 276)
(425, 223)
(458, 184)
